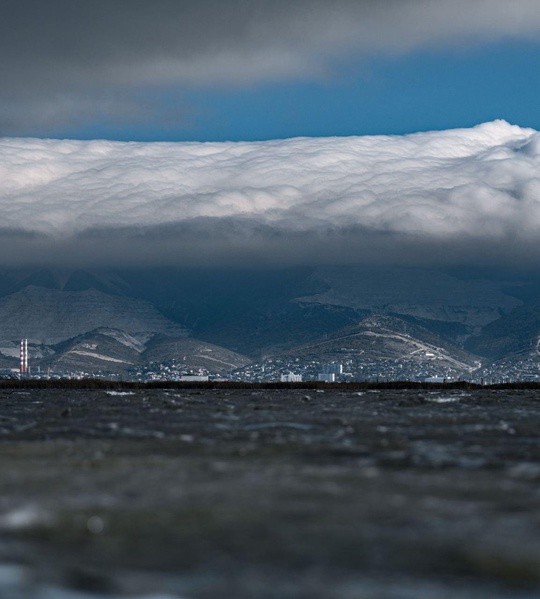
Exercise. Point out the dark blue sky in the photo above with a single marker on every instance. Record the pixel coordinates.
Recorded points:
(420, 91)
(257, 70)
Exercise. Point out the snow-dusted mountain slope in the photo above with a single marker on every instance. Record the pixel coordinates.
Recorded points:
(421, 293)
(48, 316)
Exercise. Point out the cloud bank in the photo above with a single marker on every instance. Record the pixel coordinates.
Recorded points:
(458, 196)
(68, 62)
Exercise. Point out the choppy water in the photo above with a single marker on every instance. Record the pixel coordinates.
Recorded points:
(196, 494)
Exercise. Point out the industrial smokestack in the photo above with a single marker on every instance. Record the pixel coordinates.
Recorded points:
(23, 357)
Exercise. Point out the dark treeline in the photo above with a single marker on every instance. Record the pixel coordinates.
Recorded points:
(208, 385)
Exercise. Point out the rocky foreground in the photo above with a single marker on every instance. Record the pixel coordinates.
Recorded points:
(270, 493)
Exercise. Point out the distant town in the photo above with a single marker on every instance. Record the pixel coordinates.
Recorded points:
(296, 370)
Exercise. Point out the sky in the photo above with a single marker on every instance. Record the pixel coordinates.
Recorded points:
(242, 70)
(269, 132)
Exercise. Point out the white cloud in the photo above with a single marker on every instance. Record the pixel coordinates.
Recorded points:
(299, 200)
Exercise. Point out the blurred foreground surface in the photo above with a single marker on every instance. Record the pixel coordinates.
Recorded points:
(270, 494)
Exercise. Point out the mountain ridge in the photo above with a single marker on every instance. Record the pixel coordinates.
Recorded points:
(256, 314)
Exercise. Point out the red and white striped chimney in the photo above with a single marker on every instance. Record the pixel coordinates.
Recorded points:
(23, 357)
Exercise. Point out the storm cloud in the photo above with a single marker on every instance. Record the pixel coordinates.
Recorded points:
(68, 62)
(458, 196)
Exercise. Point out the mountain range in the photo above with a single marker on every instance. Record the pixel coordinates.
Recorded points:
(220, 320)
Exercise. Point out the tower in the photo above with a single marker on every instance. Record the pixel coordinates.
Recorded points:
(23, 367)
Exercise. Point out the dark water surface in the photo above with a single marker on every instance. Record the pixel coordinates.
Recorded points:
(271, 494)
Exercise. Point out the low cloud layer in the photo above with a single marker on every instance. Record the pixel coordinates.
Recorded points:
(460, 196)
(66, 62)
